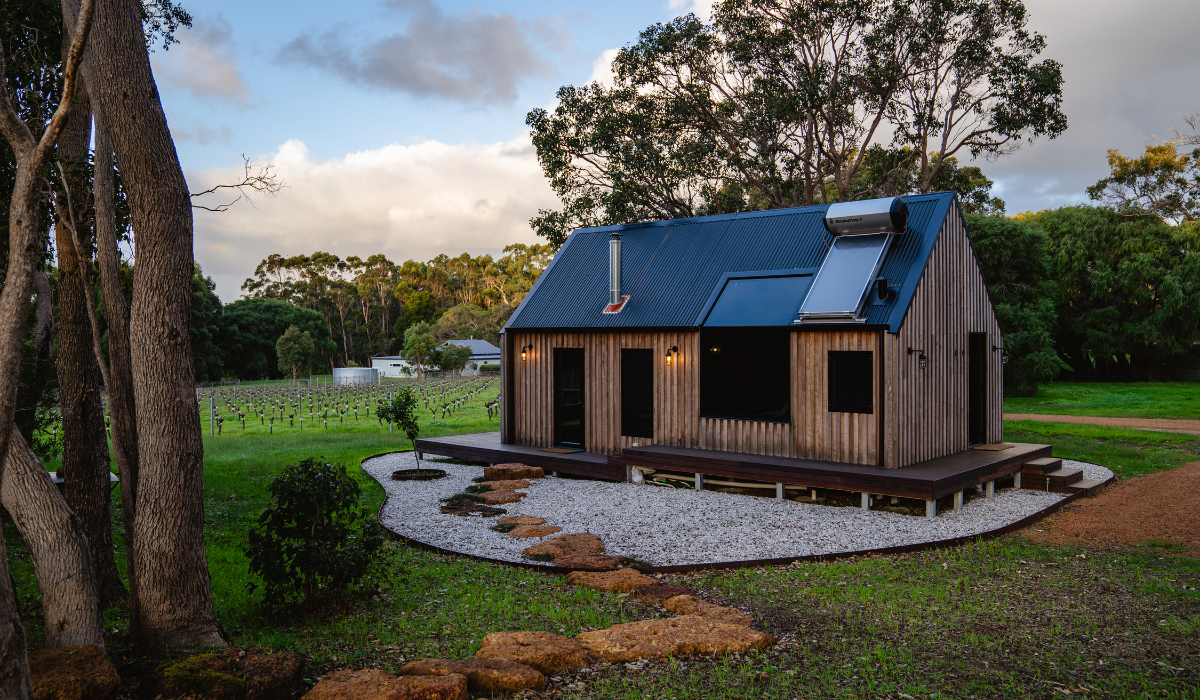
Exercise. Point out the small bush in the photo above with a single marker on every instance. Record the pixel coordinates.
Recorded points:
(478, 488)
(317, 543)
(479, 479)
(489, 368)
(463, 497)
(504, 527)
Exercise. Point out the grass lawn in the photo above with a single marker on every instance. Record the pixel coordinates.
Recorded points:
(1005, 618)
(1124, 400)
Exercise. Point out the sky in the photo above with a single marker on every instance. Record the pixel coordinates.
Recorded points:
(398, 126)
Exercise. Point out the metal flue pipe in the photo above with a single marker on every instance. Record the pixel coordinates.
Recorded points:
(614, 269)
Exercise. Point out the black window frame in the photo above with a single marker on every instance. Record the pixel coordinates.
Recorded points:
(848, 391)
(755, 359)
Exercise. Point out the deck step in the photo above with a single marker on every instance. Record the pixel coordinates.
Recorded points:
(1042, 465)
(1056, 481)
(1089, 487)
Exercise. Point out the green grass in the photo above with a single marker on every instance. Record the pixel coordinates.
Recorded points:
(1127, 452)
(1131, 400)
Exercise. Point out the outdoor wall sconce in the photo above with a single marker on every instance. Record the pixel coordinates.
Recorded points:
(1003, 353)
(922, 361)
(673, 349)
(524, 349)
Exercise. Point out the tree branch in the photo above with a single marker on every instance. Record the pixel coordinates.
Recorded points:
(262, 180)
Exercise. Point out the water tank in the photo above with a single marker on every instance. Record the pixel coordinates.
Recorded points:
(887, 215)
(355, 376)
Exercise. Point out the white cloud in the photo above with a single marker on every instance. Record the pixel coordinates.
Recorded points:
(202, 134)
(411, 201)
(602, 68)
(203, 62)
(701, 8)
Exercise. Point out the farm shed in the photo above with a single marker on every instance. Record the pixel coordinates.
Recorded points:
(798, 345)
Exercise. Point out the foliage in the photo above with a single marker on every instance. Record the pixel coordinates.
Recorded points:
(206, 328)
(402, 411)
(317, 542)
(419, 346)
(467, 321)
(294, 351)
(1129, 286)
(780, 103)
(1014, 259)
(250, 330)
(895, 172)
(1163, 183)
(453, 358)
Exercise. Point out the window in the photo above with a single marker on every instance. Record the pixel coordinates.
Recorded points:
(637, 393)
(850, 381)
(745, 374)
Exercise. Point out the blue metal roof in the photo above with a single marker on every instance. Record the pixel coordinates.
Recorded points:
(671, 269)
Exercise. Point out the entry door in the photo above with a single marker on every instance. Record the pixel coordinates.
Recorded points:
(977, 356)
(637, 393)
(568, 397)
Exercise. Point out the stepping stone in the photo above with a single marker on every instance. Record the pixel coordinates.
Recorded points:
(374, 684)
(521, 520)
(659, 594)
(72, 672)
(508, 484)
(523, 531)
(468, 508)
(546, 652)
(590, 562)
(613, 581)
(691, 605)
(678, 636)
(493, 498)
(555, 547)
(512, 471)
(483, 675)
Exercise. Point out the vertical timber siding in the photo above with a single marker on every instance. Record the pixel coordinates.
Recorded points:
(837, 437)
(927, 409)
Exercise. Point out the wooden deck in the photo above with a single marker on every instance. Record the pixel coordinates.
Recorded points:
(927, 480)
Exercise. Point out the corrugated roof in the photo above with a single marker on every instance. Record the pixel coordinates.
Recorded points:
(671, 268)
(478, 347)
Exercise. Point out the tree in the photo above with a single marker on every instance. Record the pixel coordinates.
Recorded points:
(403, 412)
(205, 328)
(250, 331)
(419, 345)
(1162, 183)
(453, 358)
(471, 321)
(294, 351)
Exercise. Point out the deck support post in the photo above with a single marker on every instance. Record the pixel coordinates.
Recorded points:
(989, 489)
(814, 494)
(895, 500)
(958, 500)
(779, 490)
(1017, 479)
(699, 481)
(930, 509)
(866, 501)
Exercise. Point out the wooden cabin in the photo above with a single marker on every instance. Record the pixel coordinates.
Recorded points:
(793, 345)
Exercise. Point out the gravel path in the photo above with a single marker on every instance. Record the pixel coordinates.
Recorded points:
(666, 527)
(1172, 425)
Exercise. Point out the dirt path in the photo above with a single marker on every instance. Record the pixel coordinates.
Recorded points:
(1161, 506)
(1168, 424)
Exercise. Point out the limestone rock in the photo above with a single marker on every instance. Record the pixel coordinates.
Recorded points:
(512, 471)
(509, 484)
(374, 684)
(691, 605)
(590, 562)
(555, 547)
(526, 531)
(678, 636)
(483, 675)
(248, 673)
(657, 595)
(72, 673)
(546, 652)
(521, 520)
(615, 581)
(496, 497)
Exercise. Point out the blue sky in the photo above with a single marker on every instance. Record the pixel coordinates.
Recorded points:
(398, 125)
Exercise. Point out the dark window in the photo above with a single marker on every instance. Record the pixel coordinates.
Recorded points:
(850, 375)
(568, 397)
(637, 393)
(745, 374)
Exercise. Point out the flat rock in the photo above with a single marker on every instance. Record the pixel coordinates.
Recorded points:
(590, 562)
(679, 636)
(374, 684)
(657, 595)
(238, 673)
(483, 675)
(72, 673)
(555, 547)
(497, 497)
(691, 605)
(521, 520)
(524, 531)
(508, 484)
(615, 581)
(546, 652)
(502, 472)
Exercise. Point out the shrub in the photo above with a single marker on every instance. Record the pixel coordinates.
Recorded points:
(489, 368)
(317, 543)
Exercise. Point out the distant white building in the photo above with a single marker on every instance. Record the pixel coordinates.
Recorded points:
(482, 353)
(355, 376)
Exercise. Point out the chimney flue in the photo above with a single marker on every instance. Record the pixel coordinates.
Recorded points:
(614, 270)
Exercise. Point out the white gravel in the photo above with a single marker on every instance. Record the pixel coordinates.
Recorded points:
(666, 527)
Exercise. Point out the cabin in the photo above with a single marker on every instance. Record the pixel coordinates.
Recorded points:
(482, 353)
(850, 346)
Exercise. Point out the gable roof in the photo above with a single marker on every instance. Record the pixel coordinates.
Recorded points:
(671, 269)
(478, 347)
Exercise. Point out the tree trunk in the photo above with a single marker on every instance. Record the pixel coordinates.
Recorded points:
(85, 459)
(56, 540)
(14, 661)
(175, 605)
(121, 409)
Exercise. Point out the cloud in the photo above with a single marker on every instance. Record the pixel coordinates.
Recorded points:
(477, 57)
(203, 62)
(201, 134)
(701, 8)
(602, 68)
(412, 201)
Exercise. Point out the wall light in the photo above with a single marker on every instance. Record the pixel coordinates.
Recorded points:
(525, 348)
(673, 349)
(922, 361)
(1003, 353)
